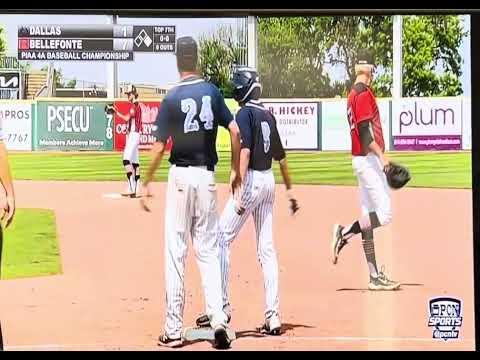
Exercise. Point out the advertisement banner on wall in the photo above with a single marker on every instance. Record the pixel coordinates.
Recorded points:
(147, 133)
(16, 125)
(297, 123)
(335, 128)
(427, 124)
(223, 135)
(73, 126)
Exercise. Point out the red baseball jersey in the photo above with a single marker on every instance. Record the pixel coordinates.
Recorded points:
(135, 122)
(362, 106)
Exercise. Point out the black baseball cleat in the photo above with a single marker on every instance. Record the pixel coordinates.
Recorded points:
(338, 242)
(204, 321)
(222, 341)
(165, 340)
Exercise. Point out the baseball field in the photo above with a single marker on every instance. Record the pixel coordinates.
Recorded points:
(105, 258)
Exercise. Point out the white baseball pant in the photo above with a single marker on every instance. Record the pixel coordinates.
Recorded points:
(191, 209)
(257, 199)
(373, 186)
(132, 143)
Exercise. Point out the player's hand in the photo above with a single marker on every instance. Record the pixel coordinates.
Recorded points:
(235, 182)
(293, 203)
(8, 212)
(146, 196)
(237, 197)
(385, 163)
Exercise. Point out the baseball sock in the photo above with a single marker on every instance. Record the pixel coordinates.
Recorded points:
(130, 179)
(368, 222)
(136, 169)
(369, 249)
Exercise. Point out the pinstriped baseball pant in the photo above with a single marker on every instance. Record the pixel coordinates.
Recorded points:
(191, 209)
(257, 199)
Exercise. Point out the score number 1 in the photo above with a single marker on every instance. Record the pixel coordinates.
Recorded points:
(125, 31)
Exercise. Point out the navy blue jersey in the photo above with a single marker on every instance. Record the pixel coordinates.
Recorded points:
(259, 133)
(190, 113)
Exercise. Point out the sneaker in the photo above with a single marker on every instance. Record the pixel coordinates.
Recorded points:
(165, 340)
(204, 321)
(272, 325)
(382, 282)
(338, 242)
(222, 341)
(128, 192)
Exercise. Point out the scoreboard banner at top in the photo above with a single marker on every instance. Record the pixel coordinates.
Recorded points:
(92, 42)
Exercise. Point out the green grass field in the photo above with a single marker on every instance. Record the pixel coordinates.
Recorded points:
(429, 169)
(30, 246)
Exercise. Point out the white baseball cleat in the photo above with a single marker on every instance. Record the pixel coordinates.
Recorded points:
(273, 325)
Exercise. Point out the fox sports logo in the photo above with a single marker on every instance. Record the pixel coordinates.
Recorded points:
(445, 317)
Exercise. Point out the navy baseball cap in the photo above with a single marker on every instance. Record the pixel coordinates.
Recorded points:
(186, 52)
(365, 57)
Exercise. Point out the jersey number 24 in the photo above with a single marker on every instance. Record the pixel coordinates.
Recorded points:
(189, 107)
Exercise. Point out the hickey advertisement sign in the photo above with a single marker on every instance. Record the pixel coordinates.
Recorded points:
(427, 124)
(297, 123)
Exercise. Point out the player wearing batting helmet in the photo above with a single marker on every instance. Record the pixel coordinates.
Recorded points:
(369, 164)
(261, 145)
(191, 113)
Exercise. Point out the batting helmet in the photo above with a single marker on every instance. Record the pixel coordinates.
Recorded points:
(246, 84)
(186, 52)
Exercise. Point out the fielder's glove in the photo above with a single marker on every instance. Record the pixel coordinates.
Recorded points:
(109, 109)
(397, 175)
(293, 203)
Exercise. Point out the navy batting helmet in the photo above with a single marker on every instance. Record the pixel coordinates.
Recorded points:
(246, 84)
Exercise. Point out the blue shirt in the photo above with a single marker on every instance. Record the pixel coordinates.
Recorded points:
(259, 133)
(190, 113)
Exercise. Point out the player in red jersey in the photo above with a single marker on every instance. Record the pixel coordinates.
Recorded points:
(369, 163)
(130, 153)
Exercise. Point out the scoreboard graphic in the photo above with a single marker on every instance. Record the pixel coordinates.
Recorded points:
(92, 42)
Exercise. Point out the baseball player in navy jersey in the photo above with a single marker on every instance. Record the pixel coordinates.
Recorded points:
(191, 113)
(369, 164)
(260, 144)
(131, 161)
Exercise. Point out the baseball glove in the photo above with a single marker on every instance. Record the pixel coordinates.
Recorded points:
(397, 176)
(109, 109)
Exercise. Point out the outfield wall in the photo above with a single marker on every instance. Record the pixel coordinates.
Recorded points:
(409, 124)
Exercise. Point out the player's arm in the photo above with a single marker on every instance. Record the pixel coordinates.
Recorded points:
(125, 117)
(235, 143)
(368, 142)
(226, 120)
(158, 149)
(6, 180)
(279, 155)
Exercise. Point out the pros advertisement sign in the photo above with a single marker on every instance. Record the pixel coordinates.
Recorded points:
(297, 123)
(335, 128)
(147, 133)
(16, 125)
(427, 124)
(72, 126)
